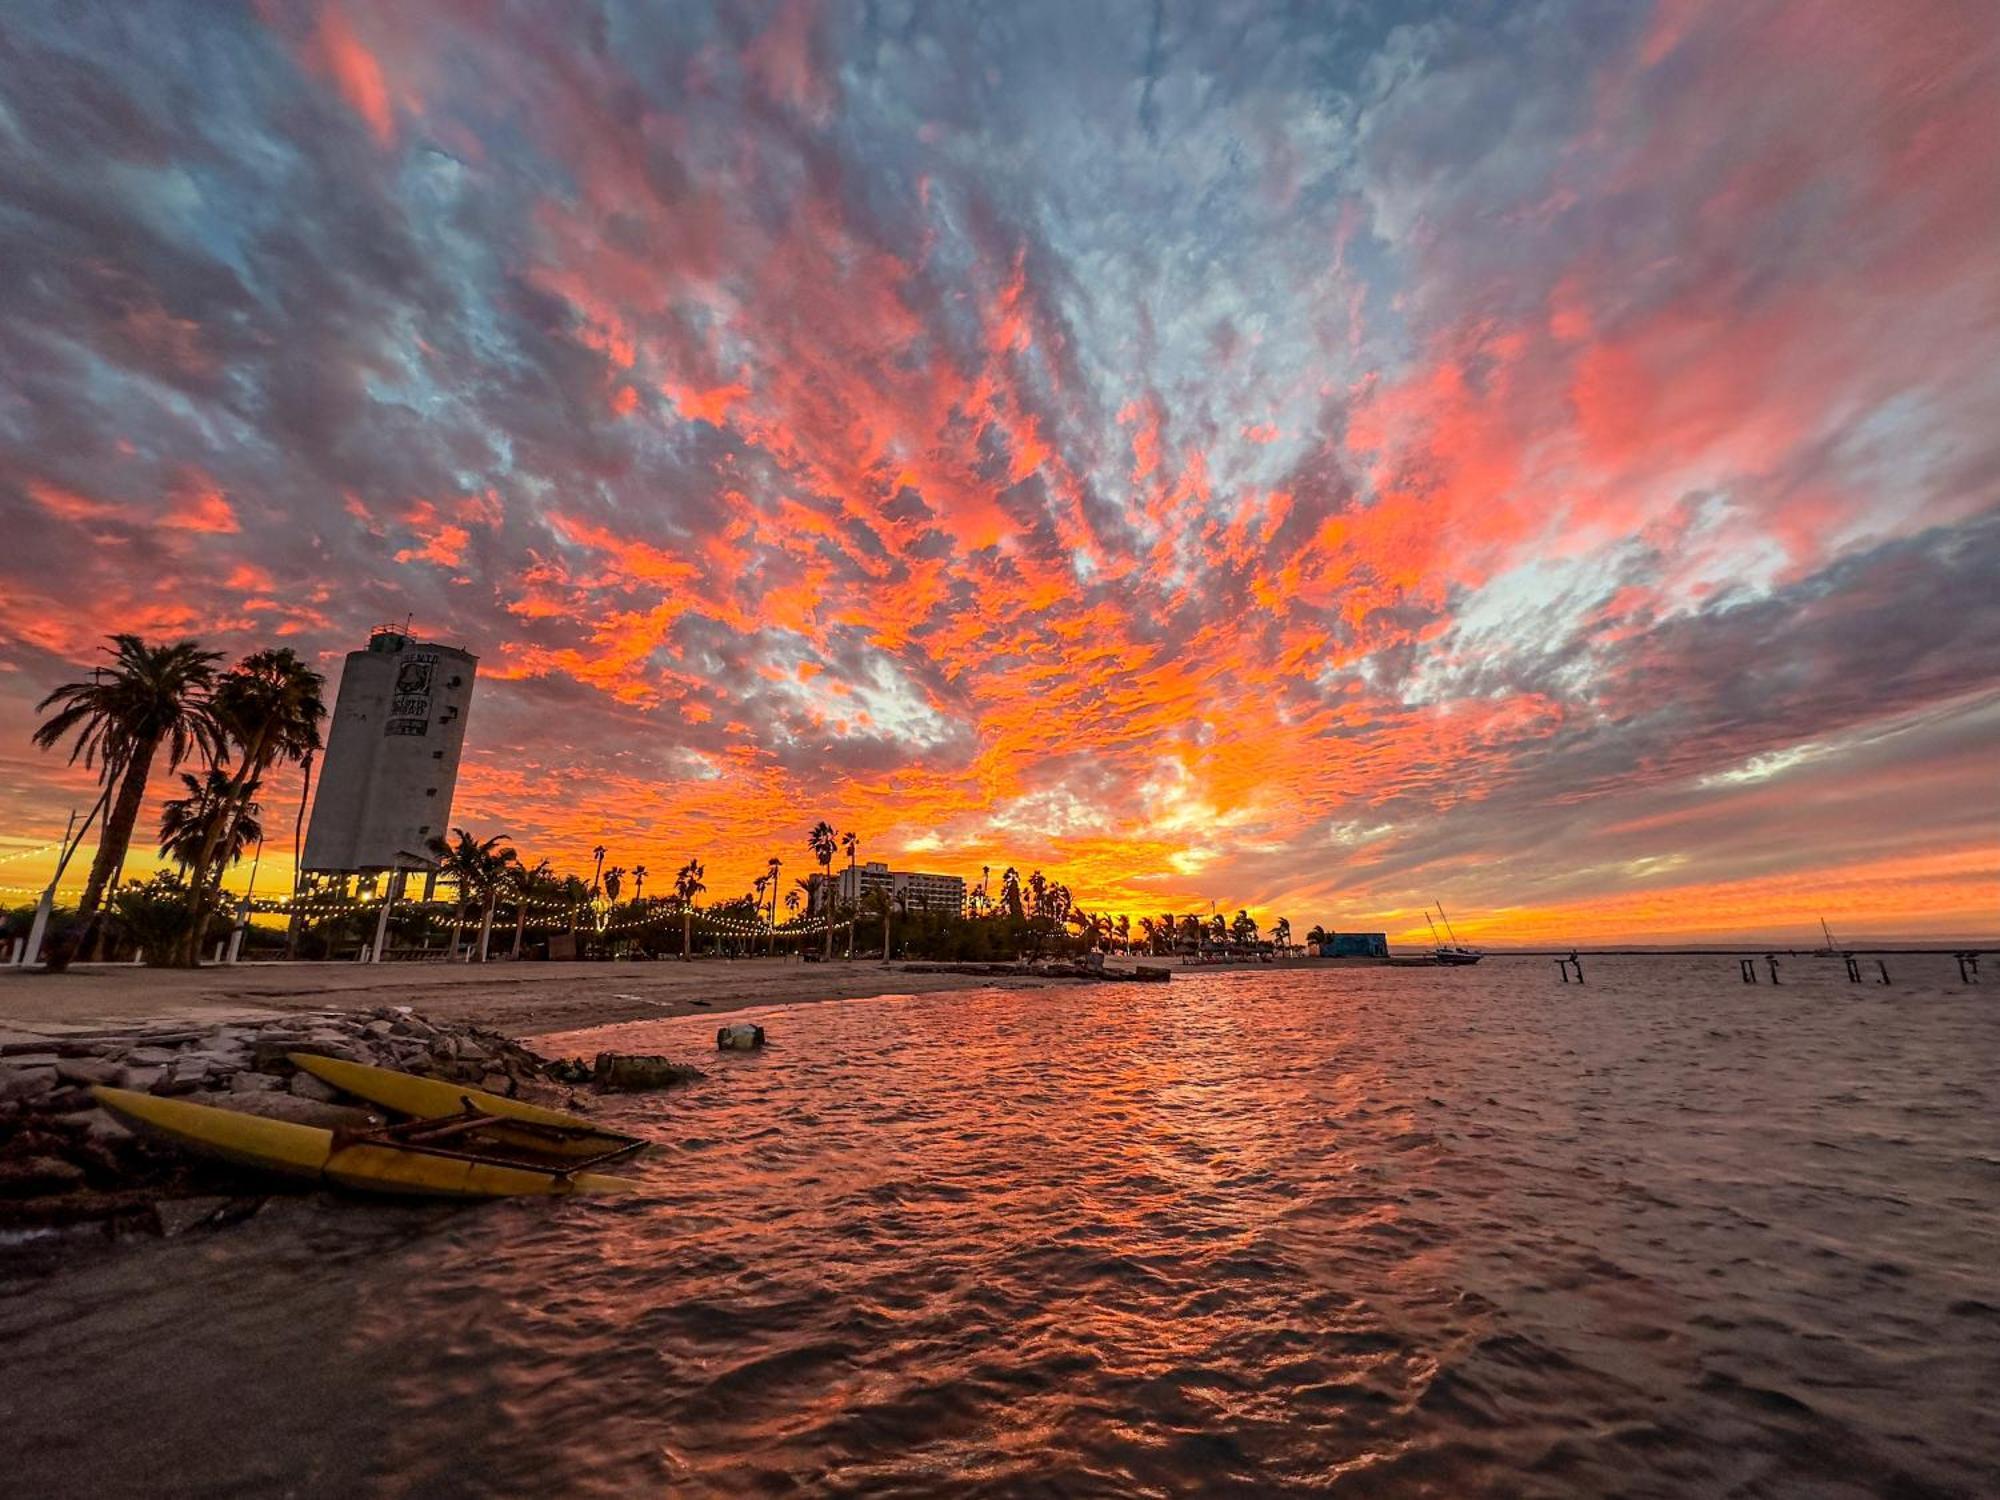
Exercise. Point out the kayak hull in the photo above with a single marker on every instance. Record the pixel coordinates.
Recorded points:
(434, 1098)
(309, 1152)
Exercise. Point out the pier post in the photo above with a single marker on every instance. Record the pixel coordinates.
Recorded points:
(1883, 965)
(1853, 968)
(1968, 967)
(1772, 960)
(1562, 968)
(1749, 970)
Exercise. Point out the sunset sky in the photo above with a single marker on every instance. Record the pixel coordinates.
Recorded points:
(1318, 458)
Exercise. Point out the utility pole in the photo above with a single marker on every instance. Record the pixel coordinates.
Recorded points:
(47, 905)
(243, 906)
(389, 894)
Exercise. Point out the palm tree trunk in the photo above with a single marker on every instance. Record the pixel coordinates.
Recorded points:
(826, 887)
(486, 925)
(687, 932)
(110, 852)
(245, 773)
(298, 848)
(520, 926)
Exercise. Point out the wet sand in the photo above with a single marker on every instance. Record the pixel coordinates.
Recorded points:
(515, 999)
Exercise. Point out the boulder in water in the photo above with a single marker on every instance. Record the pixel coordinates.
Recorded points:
(634, 1071)
(741, 1037)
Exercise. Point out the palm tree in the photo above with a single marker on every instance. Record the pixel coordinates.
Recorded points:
(186, 822)
(527, 882)
(269, 705)
(878, 905)
(1281, 932)
(477, 867)
(823, 841)
(1010, 892)
(1124, 930)
(298, 848)
(149, 696)
(499, 877)
(851, 842)
(687, 885)
(614, 882)
(598, 874)
(638, 882)
(771, 879)
(1148, 931)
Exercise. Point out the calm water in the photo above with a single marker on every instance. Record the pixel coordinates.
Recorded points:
(1394, 1232)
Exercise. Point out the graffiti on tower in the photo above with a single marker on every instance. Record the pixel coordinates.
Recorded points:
(410, 710)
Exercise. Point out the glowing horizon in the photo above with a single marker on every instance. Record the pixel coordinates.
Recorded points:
(1542, 463)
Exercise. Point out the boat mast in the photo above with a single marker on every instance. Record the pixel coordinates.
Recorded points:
(1433, 927)
(1447, 925)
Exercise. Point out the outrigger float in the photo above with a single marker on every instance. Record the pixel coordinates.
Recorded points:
(457, 1143)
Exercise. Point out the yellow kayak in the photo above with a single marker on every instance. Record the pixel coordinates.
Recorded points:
(363, 1161)
(550, 1132)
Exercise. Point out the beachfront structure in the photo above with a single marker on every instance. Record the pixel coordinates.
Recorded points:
(1353, 945)
(911, 890)
(391, 760)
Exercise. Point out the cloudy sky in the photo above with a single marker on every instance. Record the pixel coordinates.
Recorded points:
(1317, 457)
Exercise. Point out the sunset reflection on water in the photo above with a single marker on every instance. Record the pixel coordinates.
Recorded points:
(1426, 1233)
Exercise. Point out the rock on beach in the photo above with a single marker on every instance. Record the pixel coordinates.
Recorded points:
(66, 1161)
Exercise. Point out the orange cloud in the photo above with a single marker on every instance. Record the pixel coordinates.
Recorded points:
(355, 72)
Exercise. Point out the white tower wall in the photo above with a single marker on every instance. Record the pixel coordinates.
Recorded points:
(391, 761)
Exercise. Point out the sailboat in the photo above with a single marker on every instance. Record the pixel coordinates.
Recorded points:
(1454, 952)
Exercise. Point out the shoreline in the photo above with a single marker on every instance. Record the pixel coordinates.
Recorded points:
(222, 1036)
(517, 1000)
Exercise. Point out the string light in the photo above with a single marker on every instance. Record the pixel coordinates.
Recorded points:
(29, 854)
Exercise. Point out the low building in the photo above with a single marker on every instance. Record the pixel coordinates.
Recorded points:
(1353, 945)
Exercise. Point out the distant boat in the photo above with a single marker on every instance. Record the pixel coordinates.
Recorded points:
(1832, 949)
(1453, 953)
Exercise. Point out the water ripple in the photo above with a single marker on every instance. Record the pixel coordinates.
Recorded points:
(1388, 1232)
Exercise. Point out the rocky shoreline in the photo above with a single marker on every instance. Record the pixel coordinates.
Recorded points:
(65, 1162)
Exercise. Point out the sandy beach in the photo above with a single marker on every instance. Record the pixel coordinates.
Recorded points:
(515, 999)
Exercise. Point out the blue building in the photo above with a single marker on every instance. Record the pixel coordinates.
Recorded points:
(1359, 945)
